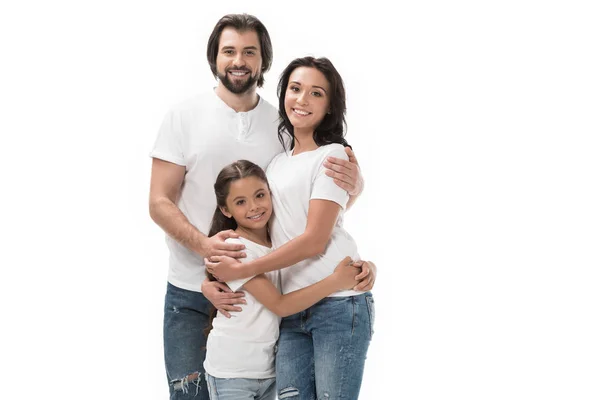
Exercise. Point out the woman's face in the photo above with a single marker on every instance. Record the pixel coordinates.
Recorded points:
(306, 99)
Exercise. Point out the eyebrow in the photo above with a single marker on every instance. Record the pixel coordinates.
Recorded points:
(315, 86)
(233, 48)
(243, 197)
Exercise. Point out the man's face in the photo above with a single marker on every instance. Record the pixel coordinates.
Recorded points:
(238, 60)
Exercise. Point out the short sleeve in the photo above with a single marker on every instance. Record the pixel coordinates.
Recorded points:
(169, 142)
(250, 255)
(324, 188)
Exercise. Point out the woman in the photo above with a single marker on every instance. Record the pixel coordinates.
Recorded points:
(321, 350)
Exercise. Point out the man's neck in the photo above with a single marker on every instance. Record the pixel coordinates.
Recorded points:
(238, 102)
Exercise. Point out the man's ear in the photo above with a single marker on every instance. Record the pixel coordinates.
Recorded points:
(225, 212)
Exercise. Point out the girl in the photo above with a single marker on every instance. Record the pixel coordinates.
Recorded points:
(240, 356)
(321, 351)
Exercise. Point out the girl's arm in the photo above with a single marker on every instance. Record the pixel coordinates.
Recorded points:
(322, 216)
(287, 304)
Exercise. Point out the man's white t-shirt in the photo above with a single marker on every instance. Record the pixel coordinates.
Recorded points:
(243, 346)
(204, 134)
(294, 181)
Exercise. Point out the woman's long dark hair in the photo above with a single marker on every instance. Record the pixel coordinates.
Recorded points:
(231, 173)
(333, 126)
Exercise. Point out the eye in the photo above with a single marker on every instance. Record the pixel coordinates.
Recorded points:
(317, 94)
(250, 52)
(229, 51)
(240, 202)
(294, 88)
(260, 195)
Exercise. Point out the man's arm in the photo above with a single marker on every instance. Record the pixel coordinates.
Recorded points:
(165, 188)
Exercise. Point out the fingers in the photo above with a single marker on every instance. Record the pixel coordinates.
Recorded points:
(223, 287)
(365, 270)
(225, 313)
(365, 285)
(224, 247)
(228, 234)
(232, 254)
(351, 156)
(344, 185)
(338, 165)
(229, 302)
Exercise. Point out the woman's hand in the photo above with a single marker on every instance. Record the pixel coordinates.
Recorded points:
(225, 269)
(345, 274)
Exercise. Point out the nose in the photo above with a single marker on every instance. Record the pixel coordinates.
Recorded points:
(238, 61)
(302, 98)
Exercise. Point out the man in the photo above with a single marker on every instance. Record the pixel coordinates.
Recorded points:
(196, 140)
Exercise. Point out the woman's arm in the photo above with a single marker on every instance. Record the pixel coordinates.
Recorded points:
(322, 216)
(287, 304)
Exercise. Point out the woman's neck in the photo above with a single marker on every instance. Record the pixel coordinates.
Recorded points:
(304, 141)
(260, 236)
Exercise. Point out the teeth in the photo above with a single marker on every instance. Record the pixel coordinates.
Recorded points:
(256, 216)
(301, 112)
(238, 73)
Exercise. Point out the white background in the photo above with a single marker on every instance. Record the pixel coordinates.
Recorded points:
(476, 124)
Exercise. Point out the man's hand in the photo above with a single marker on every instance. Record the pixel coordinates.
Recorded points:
(216, 246)
(225, 268)
(346, 174)
(366, 277)
(221, 296)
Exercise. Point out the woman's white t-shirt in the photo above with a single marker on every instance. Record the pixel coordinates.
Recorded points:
(294, 181)
(243, 346)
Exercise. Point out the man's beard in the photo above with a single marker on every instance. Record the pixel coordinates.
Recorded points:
(242, 86)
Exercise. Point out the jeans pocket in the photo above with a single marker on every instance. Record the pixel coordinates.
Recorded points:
(371, 308)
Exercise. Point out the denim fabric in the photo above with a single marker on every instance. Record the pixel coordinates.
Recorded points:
(186, 317)
(240, 388)
(321, 351)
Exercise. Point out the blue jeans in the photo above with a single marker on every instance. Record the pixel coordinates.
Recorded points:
(241, 388)
(322, 350)
(186, 317)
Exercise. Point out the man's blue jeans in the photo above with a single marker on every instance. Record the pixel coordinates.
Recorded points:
(322, 350)
(186, 317)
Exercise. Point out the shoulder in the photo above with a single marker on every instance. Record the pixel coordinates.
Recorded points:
(334, 150)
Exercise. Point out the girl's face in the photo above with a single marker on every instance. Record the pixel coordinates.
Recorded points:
(249, 203)
(306, 98)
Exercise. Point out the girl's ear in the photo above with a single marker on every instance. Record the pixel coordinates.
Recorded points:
(225, 212)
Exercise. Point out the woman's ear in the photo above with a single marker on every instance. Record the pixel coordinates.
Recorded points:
(225, 212)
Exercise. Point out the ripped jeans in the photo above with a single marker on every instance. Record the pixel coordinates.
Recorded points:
(322, 350)
(186, 317)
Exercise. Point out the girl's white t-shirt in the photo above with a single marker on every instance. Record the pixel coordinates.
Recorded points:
(243, 346)
(294, 181)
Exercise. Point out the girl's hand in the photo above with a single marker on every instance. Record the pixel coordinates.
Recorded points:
(366, 279)
(345, 274)
(225, 269)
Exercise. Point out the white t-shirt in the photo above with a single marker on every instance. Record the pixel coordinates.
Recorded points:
(294, 181)
(204, 134)
(243, 346)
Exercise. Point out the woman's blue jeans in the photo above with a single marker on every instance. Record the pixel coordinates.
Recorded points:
(321, 351)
